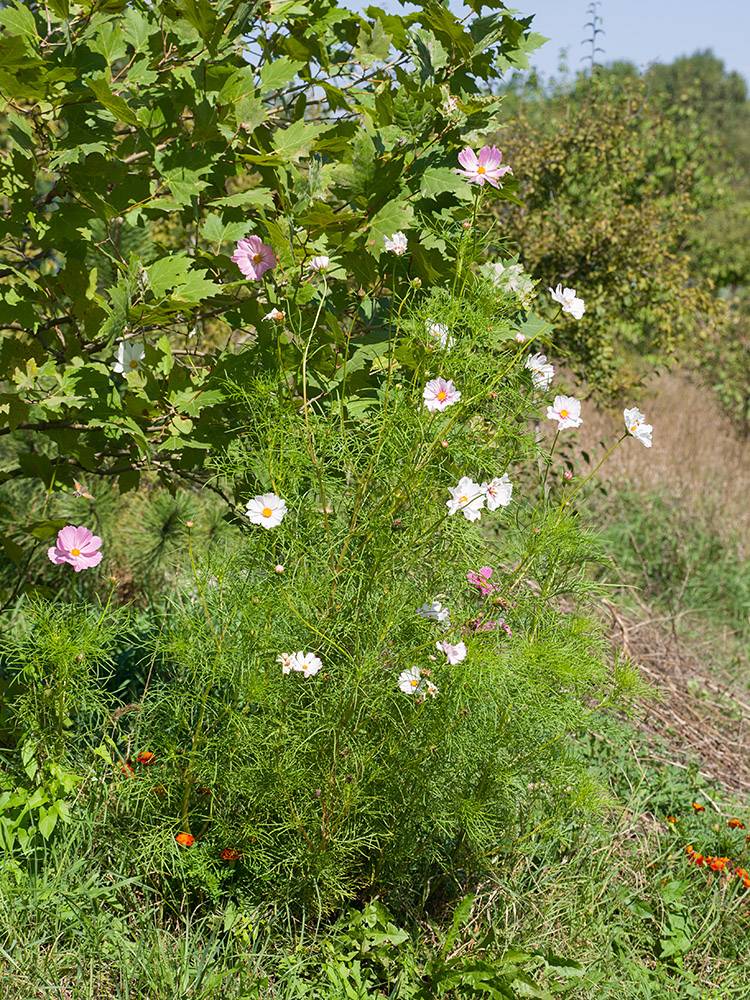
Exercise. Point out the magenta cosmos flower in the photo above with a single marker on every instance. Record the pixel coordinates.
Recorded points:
(76, 546)
(254, 257)
(485, 167)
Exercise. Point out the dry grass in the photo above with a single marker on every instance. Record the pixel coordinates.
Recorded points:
(697, 458)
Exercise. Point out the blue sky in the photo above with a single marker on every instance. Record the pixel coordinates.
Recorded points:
(643, 31)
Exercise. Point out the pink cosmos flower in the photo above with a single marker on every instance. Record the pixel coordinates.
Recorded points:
(485, 167)
(76, 546)
(566, 410)
(455, 653)
(481, 579)
(254, 257)
(439, 393)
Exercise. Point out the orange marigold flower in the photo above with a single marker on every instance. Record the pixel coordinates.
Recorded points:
(741, 873)
(671, 819)
(231, 854)
(145, 757)
(160, 790)
(698, 807)
(700, 860)
(126, 769)
(185, 839)
(690, 849)
(736, 824)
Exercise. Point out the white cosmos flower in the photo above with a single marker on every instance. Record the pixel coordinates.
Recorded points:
(429, 689)
(278, 315)
(454, 653)
(438, 394)
(286, 661)
(513, 279)
(433, 610)
(266, 509)
(319, 263)
(636, 426)
(468, 497)
(566, 410)
(541, 371)
(441, 334)
(567, 299)
(409, 680)
(308, 664)
(128, 358)
(498, 491)
(396, 243)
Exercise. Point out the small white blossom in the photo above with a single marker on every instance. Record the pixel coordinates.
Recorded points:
(277, 315)
(433, 610)
(635, 423)
(396, 243)
(129, 357)
(441, 334)
(266, 509)
(286, 660)
(409, 680)
(567, 299)
(513, 280)
(429, 689)
(439, 394)
(308, 664)
(468, 497)
(542, 372)
(498, 492)
(454, 653)
(566, 410)
(319, 263)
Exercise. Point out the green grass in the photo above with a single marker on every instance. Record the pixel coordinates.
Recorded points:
(606, 910)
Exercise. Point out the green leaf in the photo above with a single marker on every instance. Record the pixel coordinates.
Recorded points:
(217, 231)
(13, 551)
(167, 272)
(296, 141)
(460, 915)
(278, 72)
(255, 196)
(396, 216)
(47, 822)
(44, 530)
(195, 288)
(373, 44)
(128, 480)
(116, 105)
(18, 20)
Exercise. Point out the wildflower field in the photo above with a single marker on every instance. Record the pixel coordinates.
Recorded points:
(319, 650)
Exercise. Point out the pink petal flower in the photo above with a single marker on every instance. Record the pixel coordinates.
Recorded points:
(485, 167)
(439, 394)
(77, 546)
(481, 580)
(254, 257)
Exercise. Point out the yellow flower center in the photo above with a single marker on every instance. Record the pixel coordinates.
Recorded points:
(257, 258)
(414, 682)
(564, 414)
(442, 395)
(633, 428)
(133, 363)
(75, 552)
(267, 512)
(481, 170)
(463, 499)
